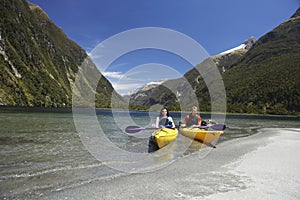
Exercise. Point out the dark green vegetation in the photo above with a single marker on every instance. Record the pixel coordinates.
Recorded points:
(267, 79)
(263, 80)
(38, 63)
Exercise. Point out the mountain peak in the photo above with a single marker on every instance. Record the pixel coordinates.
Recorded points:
(245, 45)
(249, 42)
(38, 9)
(296, 14)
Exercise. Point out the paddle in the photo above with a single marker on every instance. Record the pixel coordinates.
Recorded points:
(218, 127)
(135, 129)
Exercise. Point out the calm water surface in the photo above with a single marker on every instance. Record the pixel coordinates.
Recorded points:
(42, 152)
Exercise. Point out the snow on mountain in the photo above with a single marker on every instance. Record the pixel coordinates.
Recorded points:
(150, 85)
(145, 87)
(246, 45)
(242, 46)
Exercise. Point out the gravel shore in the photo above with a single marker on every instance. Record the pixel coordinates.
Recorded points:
(263, 166)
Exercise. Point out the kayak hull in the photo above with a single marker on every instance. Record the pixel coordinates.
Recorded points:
(202, 135)
(164, 136)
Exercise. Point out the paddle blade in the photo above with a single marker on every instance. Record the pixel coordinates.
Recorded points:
(219, 127)
(133, 129)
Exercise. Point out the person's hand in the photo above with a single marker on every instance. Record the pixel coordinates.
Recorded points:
(182, 125)
(169, 126)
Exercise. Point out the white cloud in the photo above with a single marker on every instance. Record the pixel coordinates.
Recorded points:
(121, 83)
(125, 88)
(126, 82)
(156, 82)
(116, 75)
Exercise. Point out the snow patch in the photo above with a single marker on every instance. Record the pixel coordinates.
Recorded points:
(242, 46)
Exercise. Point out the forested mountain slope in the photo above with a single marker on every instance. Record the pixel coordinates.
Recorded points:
(38, 63)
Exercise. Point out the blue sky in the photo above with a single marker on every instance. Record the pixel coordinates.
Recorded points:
(217, 25)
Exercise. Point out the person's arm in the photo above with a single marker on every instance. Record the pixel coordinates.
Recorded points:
(199, 120)
(157, 122)
(185, 121)
(171, 121)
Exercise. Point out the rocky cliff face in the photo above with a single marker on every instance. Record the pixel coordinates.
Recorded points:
(38, 63)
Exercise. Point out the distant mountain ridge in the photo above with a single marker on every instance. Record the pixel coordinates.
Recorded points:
(38, 63)
(149, 95)
(263, 79)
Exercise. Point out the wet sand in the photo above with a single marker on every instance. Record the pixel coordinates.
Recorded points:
(263, 166)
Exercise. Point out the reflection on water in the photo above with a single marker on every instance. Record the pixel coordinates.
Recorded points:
(41, 151)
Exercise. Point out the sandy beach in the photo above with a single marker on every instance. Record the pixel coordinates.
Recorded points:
(263, 166)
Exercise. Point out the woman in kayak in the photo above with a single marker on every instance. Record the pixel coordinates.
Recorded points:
(164, 120)
(193, 119)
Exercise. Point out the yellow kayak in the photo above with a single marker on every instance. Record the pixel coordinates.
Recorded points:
(164, 136)
(202, 135)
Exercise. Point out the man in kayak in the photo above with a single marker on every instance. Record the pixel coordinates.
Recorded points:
(193, 119)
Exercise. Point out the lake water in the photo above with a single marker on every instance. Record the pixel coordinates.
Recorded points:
(41, 151)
